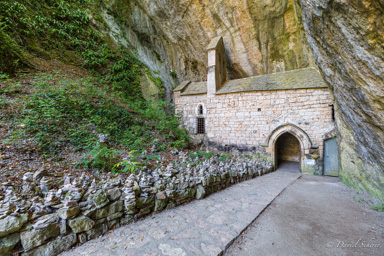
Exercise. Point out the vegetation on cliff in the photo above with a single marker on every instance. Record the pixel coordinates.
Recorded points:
(64, 81)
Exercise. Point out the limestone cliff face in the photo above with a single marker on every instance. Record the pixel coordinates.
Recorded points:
(266, 36)
(261, 36)
(347, 40)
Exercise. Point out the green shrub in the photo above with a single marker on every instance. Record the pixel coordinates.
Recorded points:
(100, 157)
(61, 113)
(131, 165)
(73, 113)
(201, 154)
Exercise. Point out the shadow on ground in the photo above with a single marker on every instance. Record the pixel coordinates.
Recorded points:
(287, 166)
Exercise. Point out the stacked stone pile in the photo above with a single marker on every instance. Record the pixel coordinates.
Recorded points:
(83, 209)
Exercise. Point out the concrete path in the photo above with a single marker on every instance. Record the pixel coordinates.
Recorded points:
(287, 166)
(315, 216)
(203, 227)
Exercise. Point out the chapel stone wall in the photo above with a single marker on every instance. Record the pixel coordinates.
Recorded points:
(245, 120)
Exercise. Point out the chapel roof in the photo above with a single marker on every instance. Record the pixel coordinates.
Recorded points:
(306, 78)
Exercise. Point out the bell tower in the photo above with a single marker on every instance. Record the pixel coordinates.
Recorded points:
(217, 66)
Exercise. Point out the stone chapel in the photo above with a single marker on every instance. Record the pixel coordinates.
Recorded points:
(285, 116)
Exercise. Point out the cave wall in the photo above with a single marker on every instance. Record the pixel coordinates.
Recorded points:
(261, 36)
(347, 40)
(343, 37)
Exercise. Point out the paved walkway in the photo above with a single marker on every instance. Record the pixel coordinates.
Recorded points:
(202, 227)
(317, 216)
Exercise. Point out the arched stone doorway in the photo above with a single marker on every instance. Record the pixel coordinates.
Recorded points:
(287, 151)
(300, 135)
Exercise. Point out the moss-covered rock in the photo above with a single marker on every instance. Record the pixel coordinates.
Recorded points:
(81, 224)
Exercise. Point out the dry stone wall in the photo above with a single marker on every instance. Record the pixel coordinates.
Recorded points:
(83, 209)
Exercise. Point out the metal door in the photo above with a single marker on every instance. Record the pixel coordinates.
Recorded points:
(331, 161)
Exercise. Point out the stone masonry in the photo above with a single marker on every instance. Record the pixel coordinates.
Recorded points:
(250, 114)
(83, 209)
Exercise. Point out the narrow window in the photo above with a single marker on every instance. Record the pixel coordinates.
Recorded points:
(200, 125)
(201, 110)
(333, 112)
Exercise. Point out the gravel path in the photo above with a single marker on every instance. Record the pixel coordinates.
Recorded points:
(203, 227)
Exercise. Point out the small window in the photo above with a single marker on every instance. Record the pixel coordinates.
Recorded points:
(200, 125)
(201, 110)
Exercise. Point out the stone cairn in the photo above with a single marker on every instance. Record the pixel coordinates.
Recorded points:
(83, 209)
